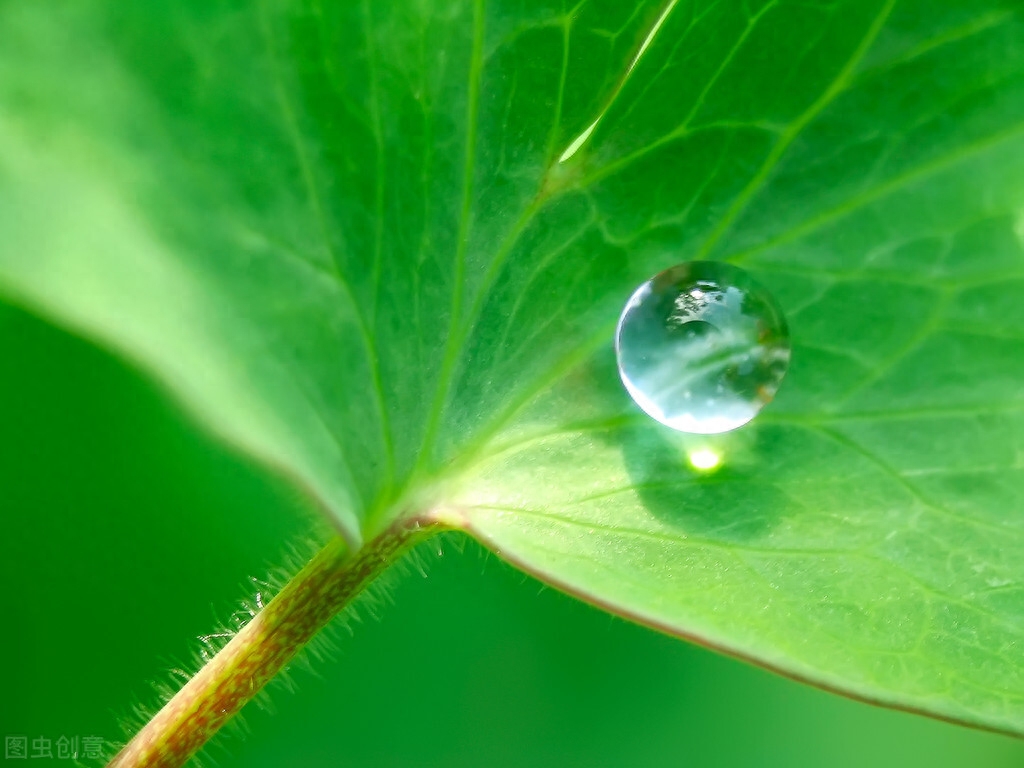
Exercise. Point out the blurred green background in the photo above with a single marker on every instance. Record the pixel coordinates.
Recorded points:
(126, 532)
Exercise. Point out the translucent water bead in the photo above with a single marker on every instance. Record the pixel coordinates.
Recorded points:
(702, 347)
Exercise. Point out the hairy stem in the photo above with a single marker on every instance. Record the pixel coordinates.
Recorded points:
(262, 648)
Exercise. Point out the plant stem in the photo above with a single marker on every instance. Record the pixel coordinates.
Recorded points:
(262, 648)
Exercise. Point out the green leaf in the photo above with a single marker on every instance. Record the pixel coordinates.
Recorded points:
(382, 247)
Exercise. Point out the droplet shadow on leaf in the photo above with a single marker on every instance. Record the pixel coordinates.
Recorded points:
(696, 502)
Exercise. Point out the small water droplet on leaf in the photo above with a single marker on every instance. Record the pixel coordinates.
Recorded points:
(702, 347)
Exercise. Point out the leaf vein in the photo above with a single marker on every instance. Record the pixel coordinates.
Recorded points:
(836, 87)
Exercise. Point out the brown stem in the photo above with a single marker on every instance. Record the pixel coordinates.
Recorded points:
(262, 648)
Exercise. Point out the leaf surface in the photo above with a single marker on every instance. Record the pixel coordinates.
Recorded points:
(382, 249)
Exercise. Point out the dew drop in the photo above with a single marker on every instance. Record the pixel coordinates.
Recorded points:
(702, 347)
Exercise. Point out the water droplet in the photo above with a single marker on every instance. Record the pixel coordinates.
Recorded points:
(702, 347)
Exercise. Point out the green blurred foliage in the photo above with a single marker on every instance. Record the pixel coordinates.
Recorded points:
(126, 532)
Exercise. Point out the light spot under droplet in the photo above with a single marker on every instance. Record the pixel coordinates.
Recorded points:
(702, 347)
(704, 459)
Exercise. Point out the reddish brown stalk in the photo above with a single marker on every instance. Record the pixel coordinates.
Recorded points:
(261, 649)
